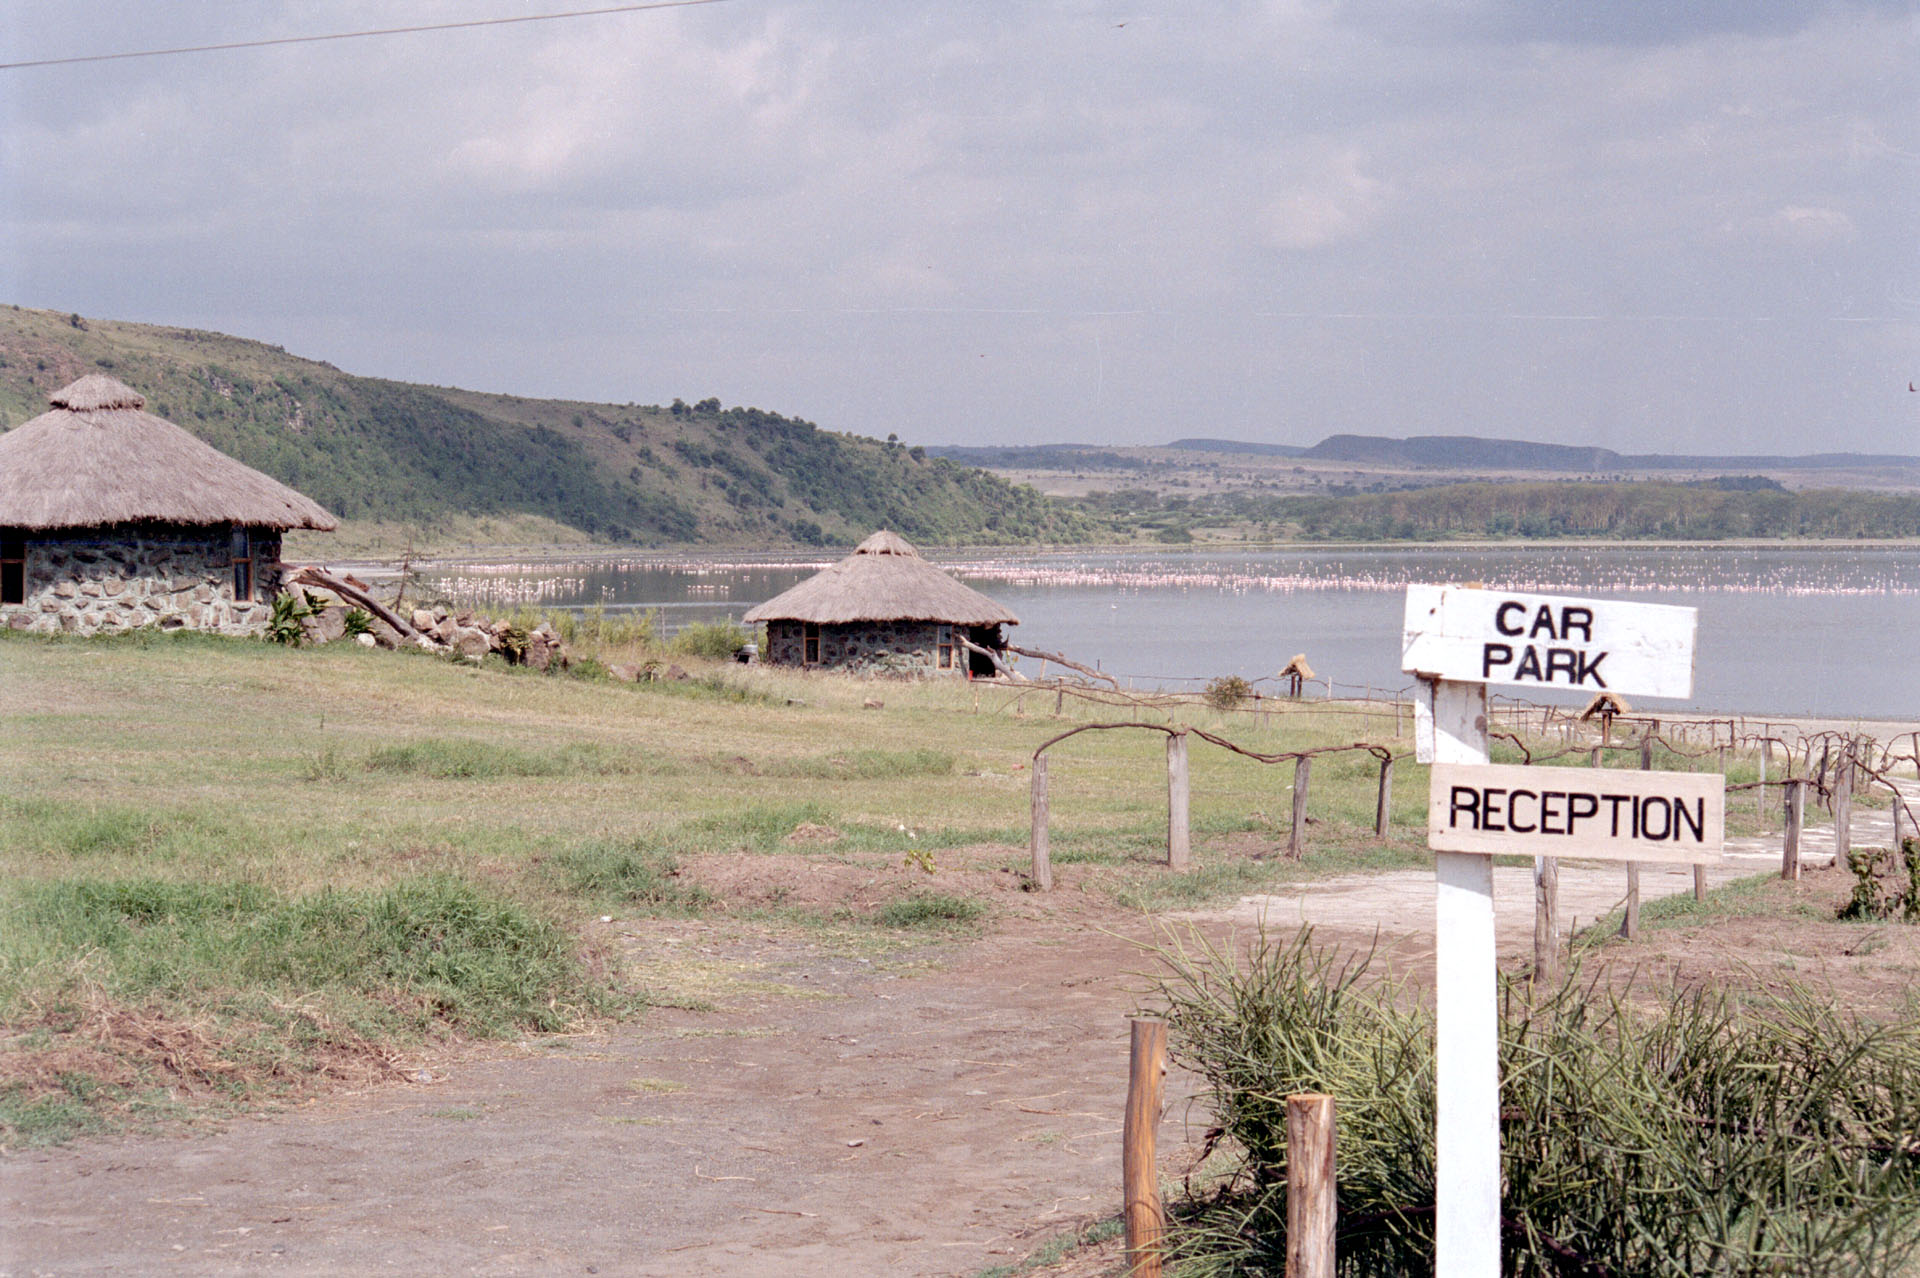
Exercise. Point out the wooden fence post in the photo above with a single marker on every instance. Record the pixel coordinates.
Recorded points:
(1297, 839)
(1843, 805)
(1042, 858)
(1178, 845)
(1760, 791)
(1546, 922)
(1796, 816)
(1311, 1182)
(1139, 1168)
(1383, 806)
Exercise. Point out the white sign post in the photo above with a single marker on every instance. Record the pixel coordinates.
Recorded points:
(1459, 640)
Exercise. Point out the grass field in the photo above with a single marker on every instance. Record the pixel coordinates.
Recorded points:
(233, 868)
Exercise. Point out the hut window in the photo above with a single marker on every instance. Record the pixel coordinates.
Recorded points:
(242, 556)
(810, 637)
(946, 647)
(13, 568)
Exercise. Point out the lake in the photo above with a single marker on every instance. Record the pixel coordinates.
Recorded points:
(1820, 630)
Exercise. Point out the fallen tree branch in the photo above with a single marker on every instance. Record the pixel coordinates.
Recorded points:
(310, 576)
(998, 661)
(1055, 657)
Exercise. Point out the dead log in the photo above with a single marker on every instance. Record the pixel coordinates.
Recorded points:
(358, 596)
(1038, 655)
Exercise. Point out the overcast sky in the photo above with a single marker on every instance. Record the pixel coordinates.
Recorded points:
(1653, 225)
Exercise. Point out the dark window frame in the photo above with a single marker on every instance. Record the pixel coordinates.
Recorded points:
(944, 637)
(13, 567)
(240, 553)
(809, 643)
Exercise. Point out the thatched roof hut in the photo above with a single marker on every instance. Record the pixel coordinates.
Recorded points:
(884, 609)
(97, 458)
(884, 579)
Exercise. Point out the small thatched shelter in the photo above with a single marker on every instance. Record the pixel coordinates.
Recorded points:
(112, 518)
(883, 609)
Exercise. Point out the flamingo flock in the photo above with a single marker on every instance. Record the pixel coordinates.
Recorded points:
(619, 580)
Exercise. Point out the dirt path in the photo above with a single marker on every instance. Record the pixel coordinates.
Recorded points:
(931, 1111)
(932, 1114)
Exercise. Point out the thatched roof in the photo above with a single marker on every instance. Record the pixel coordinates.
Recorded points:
(1606, 704)
(99, 458)
(885, 579)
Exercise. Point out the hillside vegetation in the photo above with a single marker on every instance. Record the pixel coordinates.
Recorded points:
(1648, 510)
(373, 450)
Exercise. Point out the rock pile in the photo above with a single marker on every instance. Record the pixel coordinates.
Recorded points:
(463, 634)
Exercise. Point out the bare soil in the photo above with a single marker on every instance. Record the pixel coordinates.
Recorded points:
(831, 1100)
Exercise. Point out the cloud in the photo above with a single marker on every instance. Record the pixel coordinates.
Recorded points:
(1813, 225)
(1335, 200)
(1229, 214)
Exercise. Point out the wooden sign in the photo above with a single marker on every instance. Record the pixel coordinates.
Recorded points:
(1587, 645)
(1601, 815)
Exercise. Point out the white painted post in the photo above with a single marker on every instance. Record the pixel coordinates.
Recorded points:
(1467, 1070)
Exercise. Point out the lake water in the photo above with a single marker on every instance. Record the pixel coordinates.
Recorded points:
(1783, 630)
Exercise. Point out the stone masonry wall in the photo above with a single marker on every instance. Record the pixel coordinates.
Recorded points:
(98, 580)
(867, 647)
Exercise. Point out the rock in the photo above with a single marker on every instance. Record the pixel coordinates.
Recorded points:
(422, 619)
(445, 630)
(626, 674)
(676, 674)
(366, 640)
(473, 644)
(539, 655)
(439, 614)
(326, 626)
(872, 703)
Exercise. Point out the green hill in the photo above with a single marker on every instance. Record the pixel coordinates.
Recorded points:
(394, 453)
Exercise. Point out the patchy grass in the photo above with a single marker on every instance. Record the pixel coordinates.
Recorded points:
(629, 876)
(466, 760)
(130, 988)
(1058, 1248)
(929, 910)
(1758, 897)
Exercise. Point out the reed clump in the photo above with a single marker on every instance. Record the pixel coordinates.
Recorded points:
(1719, 1135)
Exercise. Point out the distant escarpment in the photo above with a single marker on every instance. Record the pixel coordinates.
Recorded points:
(376, 450)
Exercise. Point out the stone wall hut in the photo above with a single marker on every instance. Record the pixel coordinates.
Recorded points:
(885, 610)
(112, 518)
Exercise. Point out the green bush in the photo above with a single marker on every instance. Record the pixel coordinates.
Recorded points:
(713, 639)
(1705, 1139)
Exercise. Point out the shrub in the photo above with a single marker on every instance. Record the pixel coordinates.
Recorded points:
(1705, 1139)
(284, 622)
(1228, 692)
(714, 639)
(1872, 899)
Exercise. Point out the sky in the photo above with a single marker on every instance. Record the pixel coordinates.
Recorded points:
(1652, 226)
